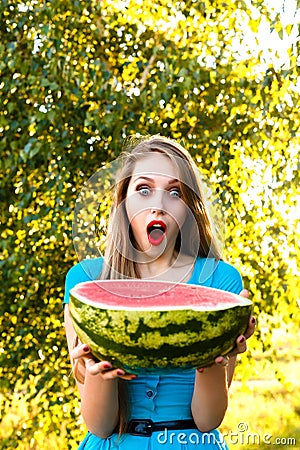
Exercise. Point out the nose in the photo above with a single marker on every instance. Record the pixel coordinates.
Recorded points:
(157, 210)
(159, 202)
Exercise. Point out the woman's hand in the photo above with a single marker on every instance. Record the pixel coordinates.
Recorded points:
(95, 367)
(241, 341)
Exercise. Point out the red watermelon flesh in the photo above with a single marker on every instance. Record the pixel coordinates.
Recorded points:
(162, 295)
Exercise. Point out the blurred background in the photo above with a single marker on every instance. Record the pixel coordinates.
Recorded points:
(77, 78)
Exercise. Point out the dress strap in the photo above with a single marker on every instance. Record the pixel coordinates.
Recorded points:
(206, 271)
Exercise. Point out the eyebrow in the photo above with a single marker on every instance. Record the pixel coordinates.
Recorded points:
(172, 181)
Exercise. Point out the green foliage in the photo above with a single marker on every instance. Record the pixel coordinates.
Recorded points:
(76, 78)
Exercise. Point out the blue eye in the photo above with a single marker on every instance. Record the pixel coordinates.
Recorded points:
(175, 193)
(143, 190)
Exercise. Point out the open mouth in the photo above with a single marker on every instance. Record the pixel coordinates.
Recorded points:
(156, 231)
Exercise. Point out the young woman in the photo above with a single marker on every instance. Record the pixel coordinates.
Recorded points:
(159, 229)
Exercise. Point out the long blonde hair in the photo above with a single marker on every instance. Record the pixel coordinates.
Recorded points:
(120, 261)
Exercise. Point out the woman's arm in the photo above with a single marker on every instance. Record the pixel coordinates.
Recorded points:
(99, 390)
(210, 397)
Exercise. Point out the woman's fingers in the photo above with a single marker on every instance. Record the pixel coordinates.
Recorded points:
(96, 367)
(219, 361)
(80, 351)
(241, 344)
(252, 322)
(106, 369)
(222, 360)
(251, 327)
(241, 341)
(244, 293)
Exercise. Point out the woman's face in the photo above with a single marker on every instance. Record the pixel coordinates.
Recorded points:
(154, 206)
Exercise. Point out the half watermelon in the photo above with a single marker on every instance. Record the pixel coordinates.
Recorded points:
(153, 325)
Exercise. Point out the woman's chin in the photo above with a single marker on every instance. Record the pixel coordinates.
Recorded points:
(152, 251)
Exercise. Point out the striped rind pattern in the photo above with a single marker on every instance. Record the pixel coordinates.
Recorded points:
(158, 340)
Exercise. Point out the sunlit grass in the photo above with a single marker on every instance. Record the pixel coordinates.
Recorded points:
(264, 409)
(264, 416)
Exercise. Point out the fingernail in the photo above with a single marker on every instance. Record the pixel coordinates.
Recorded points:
(107, 366)
(242, 339)
(120, 372)
(86, 348)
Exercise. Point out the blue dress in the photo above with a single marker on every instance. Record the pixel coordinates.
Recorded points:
(161, 397)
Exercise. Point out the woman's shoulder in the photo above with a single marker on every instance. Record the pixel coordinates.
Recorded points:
(218, 274)
(225, 267)
(85, 270)
(87, 266)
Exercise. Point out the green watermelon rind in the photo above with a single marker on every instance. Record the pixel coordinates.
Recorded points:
(155, 339)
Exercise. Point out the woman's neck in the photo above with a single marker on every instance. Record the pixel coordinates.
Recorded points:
(154, 267)
(168, 267)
